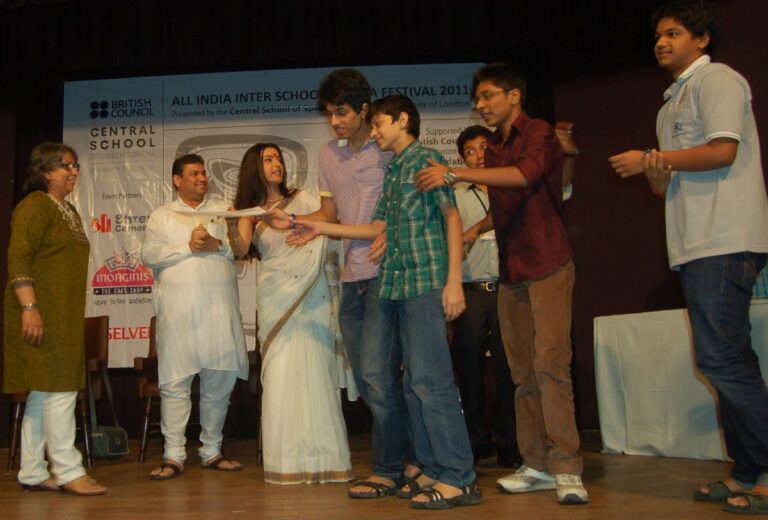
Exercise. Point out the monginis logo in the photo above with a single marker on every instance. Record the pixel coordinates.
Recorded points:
(101, 224)
(122, 273)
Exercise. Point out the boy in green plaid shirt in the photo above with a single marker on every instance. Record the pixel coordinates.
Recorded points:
(420, 289)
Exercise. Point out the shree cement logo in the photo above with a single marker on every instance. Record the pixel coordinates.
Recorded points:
(122, 273)
(101, 224)
(123, 223)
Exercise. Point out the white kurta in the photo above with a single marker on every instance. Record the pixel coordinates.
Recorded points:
(196, 300)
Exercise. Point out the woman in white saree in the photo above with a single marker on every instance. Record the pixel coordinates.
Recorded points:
(303, 433)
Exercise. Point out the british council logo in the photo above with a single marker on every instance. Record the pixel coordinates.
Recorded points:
(99, 109)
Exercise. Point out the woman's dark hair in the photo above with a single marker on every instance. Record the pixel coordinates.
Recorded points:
(46, 157)
(252, 185)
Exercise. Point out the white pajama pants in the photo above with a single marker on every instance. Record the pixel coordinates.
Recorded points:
(176, 404)
(49, 424)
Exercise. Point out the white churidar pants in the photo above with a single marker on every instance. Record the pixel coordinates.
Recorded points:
(176, 405)
(49, 424)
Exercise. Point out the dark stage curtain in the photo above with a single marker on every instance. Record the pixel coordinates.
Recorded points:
(44, 43)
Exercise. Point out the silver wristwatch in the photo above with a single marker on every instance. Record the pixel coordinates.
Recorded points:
(449, 177)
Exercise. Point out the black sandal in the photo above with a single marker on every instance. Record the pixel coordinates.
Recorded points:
(756, 505)
(380, 490)
(414, 488)
(470, 495)
(718, 492)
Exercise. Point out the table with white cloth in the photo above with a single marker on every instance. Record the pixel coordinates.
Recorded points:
(651, 398)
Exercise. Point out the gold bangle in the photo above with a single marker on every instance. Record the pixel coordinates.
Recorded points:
(29, 306)
(233, 240)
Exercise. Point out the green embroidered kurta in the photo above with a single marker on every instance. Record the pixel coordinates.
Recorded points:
(53, 254)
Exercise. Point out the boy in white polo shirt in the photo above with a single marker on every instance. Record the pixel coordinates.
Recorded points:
(710, 174)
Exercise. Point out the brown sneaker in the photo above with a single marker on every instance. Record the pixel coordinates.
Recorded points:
(84, 486)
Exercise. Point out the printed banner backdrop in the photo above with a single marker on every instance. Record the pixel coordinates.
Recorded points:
(127, 133)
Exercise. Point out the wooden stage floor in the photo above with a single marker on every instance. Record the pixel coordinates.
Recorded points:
(620, 487)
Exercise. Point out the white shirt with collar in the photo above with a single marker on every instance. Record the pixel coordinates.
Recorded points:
(721, 211)
(482, 262)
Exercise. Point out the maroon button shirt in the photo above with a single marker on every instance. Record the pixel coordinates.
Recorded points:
(530, 232)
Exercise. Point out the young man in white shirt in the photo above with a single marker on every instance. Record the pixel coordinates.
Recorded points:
(708, 170)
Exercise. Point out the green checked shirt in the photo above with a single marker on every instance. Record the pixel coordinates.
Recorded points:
(416, 260)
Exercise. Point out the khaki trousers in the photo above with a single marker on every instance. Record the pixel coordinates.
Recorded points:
(535, 321)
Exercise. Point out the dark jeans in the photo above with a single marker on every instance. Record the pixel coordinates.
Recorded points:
(475, 332)
(439, 434)
(376, 357)
(718, 290)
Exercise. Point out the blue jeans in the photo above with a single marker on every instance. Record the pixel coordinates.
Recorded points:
(376, 358)
(718, 291)
(439, 433)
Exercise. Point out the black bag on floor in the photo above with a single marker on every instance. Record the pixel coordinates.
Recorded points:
(107, 442)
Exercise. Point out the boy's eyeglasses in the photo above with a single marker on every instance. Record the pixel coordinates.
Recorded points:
(485, 96)
(69, 166)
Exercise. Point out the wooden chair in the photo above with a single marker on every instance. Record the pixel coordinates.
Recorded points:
(149, 388)
(96, 352)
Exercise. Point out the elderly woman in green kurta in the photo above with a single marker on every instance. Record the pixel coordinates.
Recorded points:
(44, 322)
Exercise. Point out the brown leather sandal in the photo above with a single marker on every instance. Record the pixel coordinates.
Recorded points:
(217, 461)
(84, 486)
(175, 468)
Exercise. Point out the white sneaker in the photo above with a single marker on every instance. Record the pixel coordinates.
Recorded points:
(570, 490)
(525, 480)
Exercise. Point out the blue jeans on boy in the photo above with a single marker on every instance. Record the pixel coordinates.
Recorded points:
(440, 436)
(718, 290)
(376, 358)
